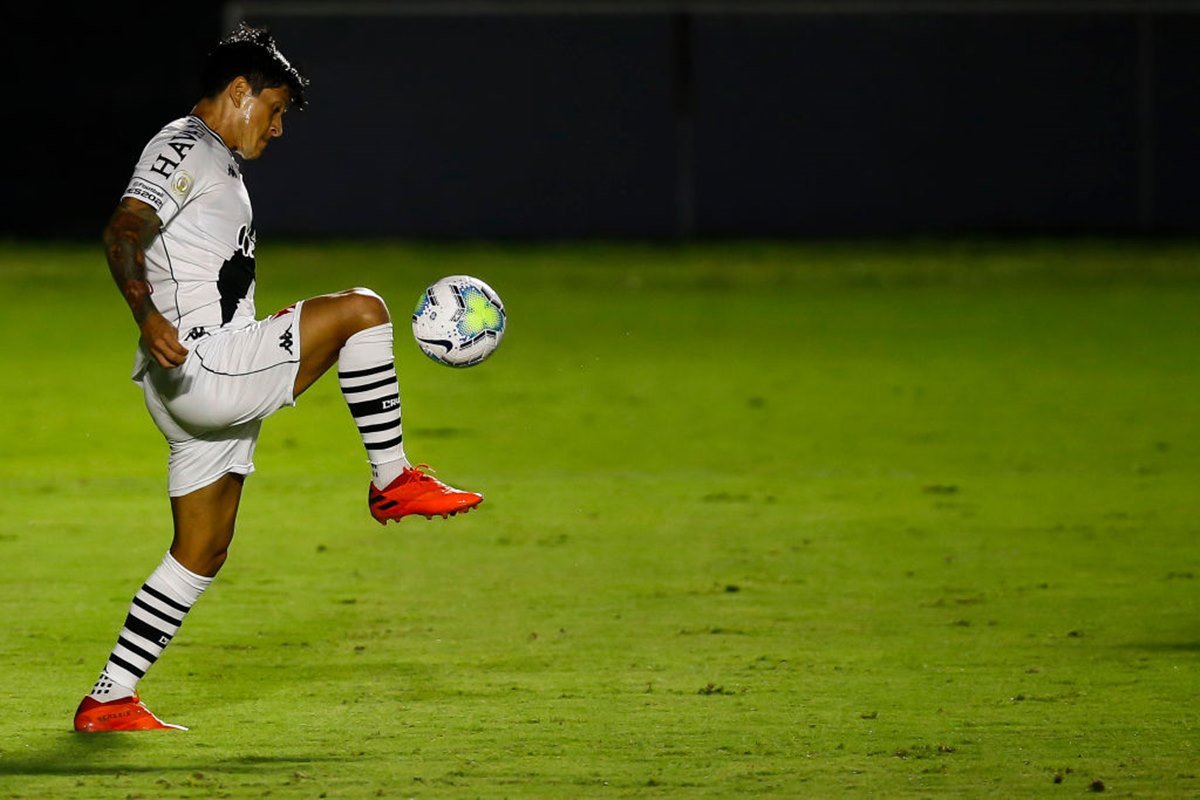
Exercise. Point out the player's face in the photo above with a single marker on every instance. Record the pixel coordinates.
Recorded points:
(262, 119)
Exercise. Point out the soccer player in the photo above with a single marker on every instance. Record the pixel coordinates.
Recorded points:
(180, 247)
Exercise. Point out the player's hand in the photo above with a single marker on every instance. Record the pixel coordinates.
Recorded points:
(162, 340)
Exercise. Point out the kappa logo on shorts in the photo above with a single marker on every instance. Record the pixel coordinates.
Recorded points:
(195, 333)
(285, 341)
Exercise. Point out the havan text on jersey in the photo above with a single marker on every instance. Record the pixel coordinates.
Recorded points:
(177, 146)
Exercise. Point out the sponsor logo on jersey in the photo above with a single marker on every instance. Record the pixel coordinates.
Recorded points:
(245, 240)
(237, 273)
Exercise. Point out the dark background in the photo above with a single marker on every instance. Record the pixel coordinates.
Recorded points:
(648, 120)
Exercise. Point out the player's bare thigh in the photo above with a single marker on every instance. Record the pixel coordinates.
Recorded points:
(326, 322)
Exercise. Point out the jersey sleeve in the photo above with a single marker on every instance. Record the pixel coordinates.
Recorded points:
(172, 170)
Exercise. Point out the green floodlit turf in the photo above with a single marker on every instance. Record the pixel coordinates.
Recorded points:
(813, 520)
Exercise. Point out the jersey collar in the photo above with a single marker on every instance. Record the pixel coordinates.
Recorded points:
(216, 135)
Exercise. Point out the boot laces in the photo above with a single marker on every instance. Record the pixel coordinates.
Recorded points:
(421, 472)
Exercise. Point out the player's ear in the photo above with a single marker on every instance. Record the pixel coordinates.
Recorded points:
(238, 90)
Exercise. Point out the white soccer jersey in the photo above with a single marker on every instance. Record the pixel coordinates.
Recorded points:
(201, 266)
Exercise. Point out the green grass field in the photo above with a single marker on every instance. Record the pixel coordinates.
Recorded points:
(819, 520)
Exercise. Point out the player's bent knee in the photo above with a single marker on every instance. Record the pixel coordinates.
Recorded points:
(367, 308)
(201, 561)
(363, 290)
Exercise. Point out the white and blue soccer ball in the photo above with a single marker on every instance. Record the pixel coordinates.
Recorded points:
(459, 321)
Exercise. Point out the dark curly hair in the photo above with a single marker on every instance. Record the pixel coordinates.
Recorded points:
(251, 53)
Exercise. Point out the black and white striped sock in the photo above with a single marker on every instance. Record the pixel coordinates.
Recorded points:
(154, 618)
(367, 375)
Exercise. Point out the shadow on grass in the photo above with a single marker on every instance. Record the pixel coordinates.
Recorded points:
(113, 753)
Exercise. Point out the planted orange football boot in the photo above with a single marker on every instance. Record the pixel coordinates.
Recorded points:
(125, 714)
(415, 492)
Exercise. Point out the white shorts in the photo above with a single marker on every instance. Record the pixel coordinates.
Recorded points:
(211, 407)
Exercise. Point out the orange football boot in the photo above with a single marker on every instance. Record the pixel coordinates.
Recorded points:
(415, 492)
(125, 714)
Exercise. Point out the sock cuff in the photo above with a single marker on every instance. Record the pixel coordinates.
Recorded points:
(367, 349)
(186, 583)
(377, 334)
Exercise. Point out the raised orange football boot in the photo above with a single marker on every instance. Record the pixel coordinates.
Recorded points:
(125, 714)
(415, 492)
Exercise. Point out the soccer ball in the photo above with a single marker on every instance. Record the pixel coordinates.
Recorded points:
(459, 321)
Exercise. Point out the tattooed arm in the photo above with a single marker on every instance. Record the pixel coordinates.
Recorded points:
(130, 231)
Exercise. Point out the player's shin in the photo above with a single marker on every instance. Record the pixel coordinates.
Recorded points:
(154, 618)
(367, 376)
